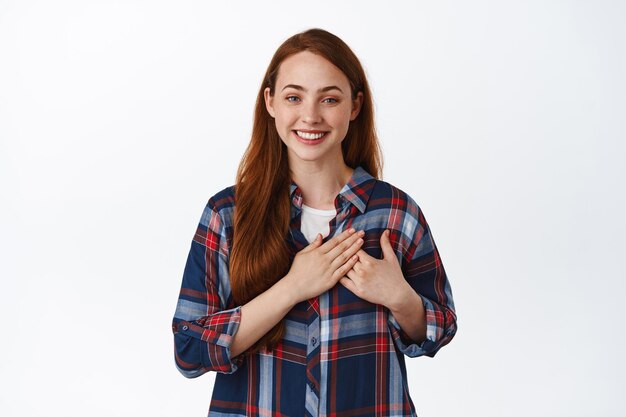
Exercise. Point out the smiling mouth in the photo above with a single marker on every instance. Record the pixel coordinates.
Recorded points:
(309, 136)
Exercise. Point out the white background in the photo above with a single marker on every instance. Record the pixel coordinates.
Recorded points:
(504, 120)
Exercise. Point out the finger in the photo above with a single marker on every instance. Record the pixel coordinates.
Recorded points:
(364, 256)
(385, 245)
(343, 246)
(366, 260)
(353, 274)
(328, 246)
(349, 284)
(314, 244)
(345, 268)
(344, 251)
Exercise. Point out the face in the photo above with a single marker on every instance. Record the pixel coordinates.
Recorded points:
(312, 107)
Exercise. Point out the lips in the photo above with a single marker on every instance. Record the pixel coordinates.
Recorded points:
(310, 137)
(310, 134)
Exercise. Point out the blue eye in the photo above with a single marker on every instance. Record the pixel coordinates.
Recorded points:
(330, 98)
(290, 97)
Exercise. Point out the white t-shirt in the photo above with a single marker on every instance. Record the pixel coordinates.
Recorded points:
(314, 221)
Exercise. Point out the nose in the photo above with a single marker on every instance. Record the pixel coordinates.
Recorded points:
(311, 113)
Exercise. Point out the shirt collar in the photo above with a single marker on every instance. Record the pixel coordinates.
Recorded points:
(355, 191)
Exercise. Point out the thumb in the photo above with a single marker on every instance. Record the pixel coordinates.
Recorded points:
(315, 243)
(385, 245)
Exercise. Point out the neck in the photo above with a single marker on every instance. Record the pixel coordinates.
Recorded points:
(320, 182)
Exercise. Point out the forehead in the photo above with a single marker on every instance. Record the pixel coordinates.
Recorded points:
(310, 70)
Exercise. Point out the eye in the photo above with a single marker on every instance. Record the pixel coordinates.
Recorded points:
(332, 100)
(288, 98)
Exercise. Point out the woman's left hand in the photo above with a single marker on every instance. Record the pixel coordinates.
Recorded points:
(379, 281)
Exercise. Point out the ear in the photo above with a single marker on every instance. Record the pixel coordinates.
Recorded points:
(269, 101)
(356, 105)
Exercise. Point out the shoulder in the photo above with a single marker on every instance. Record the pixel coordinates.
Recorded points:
(390, 207)
(219, 208)
(385, 194)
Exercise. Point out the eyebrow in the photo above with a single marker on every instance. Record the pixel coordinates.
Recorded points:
(321, 90)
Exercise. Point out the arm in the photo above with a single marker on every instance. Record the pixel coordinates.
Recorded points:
(202, 327)
(432, 294)
(260, 315)
(409, 312)
(208, 337)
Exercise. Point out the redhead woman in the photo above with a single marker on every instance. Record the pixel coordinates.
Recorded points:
(310, 279)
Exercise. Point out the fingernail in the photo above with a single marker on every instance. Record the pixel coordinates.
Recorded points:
(351, 230)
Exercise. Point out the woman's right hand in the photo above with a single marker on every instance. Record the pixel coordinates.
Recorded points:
(318, 267)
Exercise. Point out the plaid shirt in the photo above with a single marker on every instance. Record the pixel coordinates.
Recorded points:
(341, 356)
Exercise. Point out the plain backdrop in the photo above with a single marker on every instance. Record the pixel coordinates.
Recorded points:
(504, 120)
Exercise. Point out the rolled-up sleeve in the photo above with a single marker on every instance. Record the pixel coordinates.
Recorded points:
(203, 328)
(425, 273)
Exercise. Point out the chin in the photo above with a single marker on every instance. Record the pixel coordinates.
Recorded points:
(306, 156)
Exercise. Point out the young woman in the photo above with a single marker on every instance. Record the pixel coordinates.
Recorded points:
(310, 279)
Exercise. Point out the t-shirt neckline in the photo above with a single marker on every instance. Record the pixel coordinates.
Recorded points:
(329, 212)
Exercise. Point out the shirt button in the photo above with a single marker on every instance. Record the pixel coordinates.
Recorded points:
(185, 327)
(313, 341)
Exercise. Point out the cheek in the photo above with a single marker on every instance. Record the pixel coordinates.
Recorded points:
(341, 119)
(280, 124)
(283, 126)
(284, 118)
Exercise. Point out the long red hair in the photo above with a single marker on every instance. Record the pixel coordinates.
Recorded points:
(259, 256)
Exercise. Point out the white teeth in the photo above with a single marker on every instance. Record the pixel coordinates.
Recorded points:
(306, 135)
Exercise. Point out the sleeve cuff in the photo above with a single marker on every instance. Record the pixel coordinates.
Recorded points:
(405, 344)
(217, 331)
